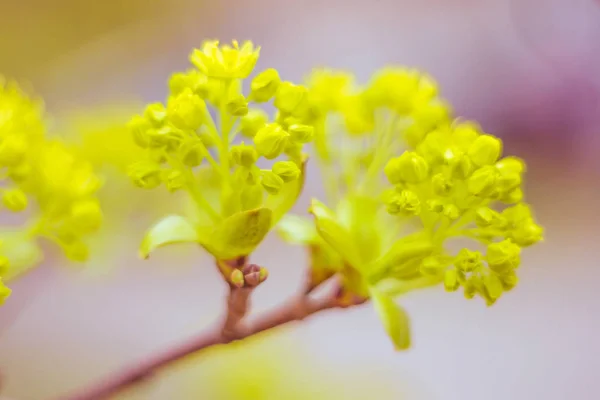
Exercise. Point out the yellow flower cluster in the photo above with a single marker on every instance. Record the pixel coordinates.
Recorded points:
(448, 179)
(191, 144)
(36, 168)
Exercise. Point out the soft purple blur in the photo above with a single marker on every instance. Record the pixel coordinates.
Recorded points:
(529, 70)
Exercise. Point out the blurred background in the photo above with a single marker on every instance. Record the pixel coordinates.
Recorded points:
(528, 70)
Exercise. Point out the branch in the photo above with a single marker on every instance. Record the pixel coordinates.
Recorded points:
(234, 328)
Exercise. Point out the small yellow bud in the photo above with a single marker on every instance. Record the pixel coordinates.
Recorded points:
(12, 150)
(508, 181)
(409, 167)
(527, 233)
(187, 110)
(436, 205)
(513, 197)
(451, 280)
(414, 135)
(468, 261)
(77, 251)
(4, 265)
(504, 256)
(442, 186)
(14, 199)
(4, 292)
(517, 213)
(485, 150)
(244, 155)
(301, 133)
(493, 286)
(237, 105)
(485, 216)
(237, 278)
(192, 152)
(512, 165)
(451, 211)
(174, 180)
(509, 280)
(139, 127)
(461, 166)
(271, 182)
(253, 122)
(290, 98)
(286, 170)
(483, 181)
(464, 134)
(263, 274)
(271, 141)
(264, 85)
(431, 114)
(156, 114)
(145, 174)
(406, 203)
(87, 215)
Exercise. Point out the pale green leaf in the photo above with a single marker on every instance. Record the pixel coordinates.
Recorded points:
(239, 234)
(170, 230)
(394, 318)
(335, 234)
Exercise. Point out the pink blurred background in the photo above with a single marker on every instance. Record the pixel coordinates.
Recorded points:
(529, 70)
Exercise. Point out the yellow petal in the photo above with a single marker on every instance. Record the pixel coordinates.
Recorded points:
(239, 234)
(170, 230)
(394, 318)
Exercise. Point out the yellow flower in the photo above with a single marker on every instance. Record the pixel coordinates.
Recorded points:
(225, 62)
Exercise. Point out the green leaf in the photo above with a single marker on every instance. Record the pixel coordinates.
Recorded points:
(170, 230)
(395, 319)
(239, 234)
(298, 230)
(334, 234)
(287, 196)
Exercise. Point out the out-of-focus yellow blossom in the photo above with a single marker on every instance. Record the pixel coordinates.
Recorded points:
(48, 181)
(190, 144)
(446, 176)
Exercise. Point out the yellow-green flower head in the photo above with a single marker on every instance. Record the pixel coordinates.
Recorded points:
(192, 145)
(225, 61)
(409, 167)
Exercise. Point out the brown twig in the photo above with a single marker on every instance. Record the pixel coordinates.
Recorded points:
(233, 328)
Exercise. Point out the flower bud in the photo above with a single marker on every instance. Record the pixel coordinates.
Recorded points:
(485, 150)
(263, 274)
(513, 197)
(145, 174)
(451, 280)
(4, 292)
(485, 216)
(174, 180)
(290, 98)
(264, 85)
(237, 278)
(409, 167)
(14, 199)
(436, 205)
(301, 133)
(461, 166)
(271, 182)
(77, 251)
(493, 286)
(156, 114)
(508, 181)
(12, 150)
(503, 256)
(431, 113)
(244, 155)
(139, 127)
(483, 181)
(406, 203)
(451, 211)
(468, 261)
(192, 152)
(286, 170)
(87, 215)
(442, 186)
(4, 265)
(237, 105)
(252, 122)
(511, 165)
(509, 280)
(271, 141)
(414, 135)
(252, 275)
(464, 134)
(527, 233)
(517, 213)
(187, 110)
